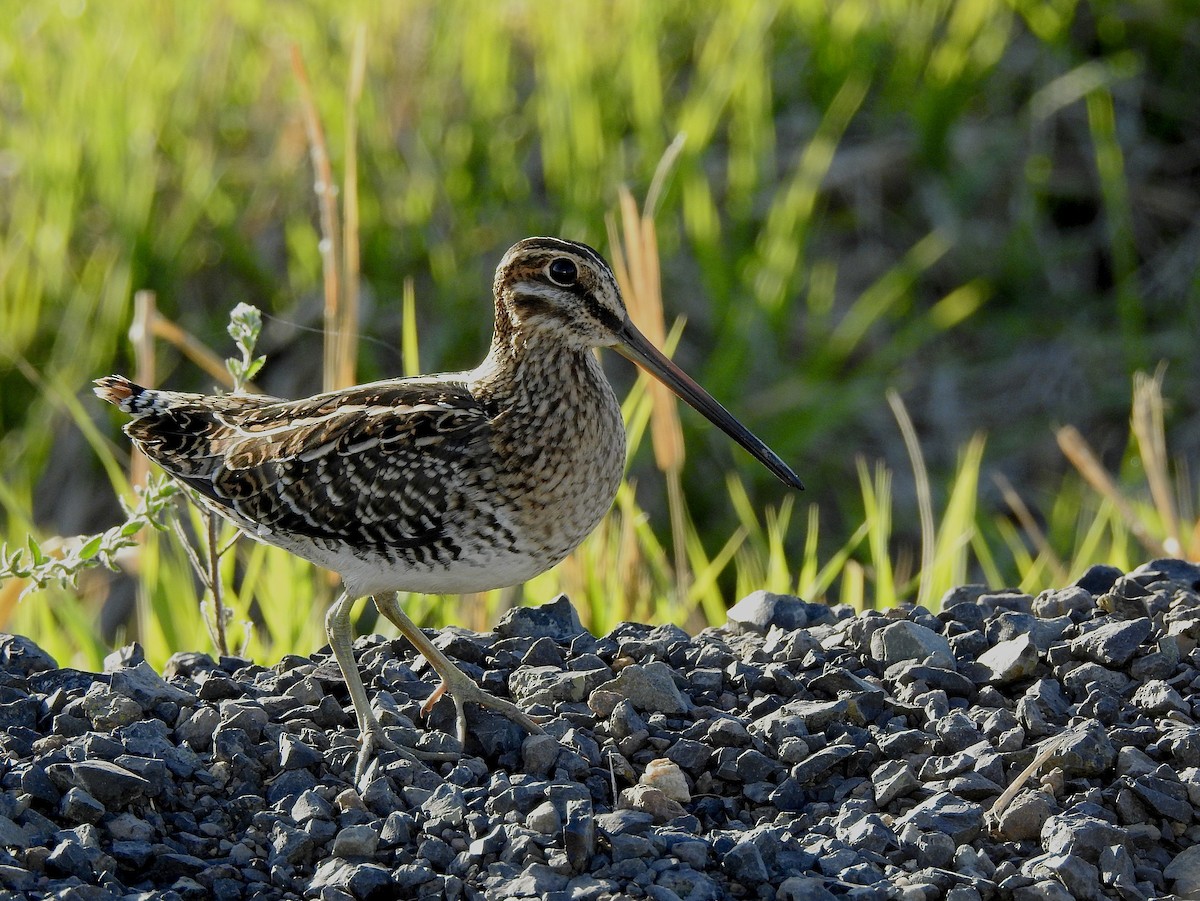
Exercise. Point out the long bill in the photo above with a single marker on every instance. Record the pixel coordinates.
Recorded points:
(635, 347)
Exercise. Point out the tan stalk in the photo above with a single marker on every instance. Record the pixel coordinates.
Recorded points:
(1149, 429)
(1077, 450)
(324, 188)
(638, 272)
(346, 335)
(1027, 522)
(192, 348)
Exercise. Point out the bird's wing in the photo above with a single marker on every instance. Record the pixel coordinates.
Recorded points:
(377, 466)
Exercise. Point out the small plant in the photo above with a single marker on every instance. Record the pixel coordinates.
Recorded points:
(245, 325)
(61, 561)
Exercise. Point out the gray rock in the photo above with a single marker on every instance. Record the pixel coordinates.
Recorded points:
(1043, 890)
(1086, 677)
(361, 880)
(651, 800)
(1024, 818)
(744, 863)
(939, 678)
(80, 807)
(17, 879)
(1086, 751)
(649, 687)
(1008, 661)
(579, 834)
(905, 640)
(1112, 644)
(761, 610)
(1079, 877)
(295, 754)
(290, 845)
(893, 779)
(22, 657)
(804, 888)
(536, 881)
(311, 806)
(819, 763)
(108, 709)
(550, 685)
(111, 785)
(934, 849)
(961, 820)
(691, 755)
(1063, 602)
(544, 819)
(12, 835)
(556, 620)
(361, 840)
(1182, 571)
(1098, 578)
(1158, 698)
(141, 683)
(801, 718)
(197, 730)
(1081, 831)
(1183, 872)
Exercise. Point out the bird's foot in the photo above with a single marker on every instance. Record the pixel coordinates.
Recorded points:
(463, 690)
(375, 740)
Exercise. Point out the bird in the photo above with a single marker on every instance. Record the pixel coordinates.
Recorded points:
(450, 483)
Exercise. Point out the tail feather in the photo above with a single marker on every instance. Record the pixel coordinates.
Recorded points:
(128, 396)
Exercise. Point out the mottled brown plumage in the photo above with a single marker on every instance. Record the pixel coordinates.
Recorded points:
(457, 482)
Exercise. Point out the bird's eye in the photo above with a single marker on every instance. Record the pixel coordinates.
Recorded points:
(563, 272)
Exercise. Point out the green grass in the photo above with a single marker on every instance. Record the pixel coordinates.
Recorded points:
(940, 198)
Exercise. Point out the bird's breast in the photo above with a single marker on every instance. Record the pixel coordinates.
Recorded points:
(559, 455)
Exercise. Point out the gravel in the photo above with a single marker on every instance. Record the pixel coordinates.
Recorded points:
(1009, 747)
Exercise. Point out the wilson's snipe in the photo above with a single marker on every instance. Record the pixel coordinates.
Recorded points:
(451, 483)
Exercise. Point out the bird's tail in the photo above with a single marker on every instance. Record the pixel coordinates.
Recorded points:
(129, 396)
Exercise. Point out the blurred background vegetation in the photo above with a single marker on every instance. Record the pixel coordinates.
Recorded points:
(988, 206)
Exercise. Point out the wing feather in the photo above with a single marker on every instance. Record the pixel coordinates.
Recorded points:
(379, 466)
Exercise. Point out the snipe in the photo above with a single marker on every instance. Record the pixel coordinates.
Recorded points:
(450, 483)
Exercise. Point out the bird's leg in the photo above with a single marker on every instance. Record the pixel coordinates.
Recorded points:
(455, 682)
(337, 626)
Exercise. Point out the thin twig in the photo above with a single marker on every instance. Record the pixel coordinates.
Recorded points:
(992, 817)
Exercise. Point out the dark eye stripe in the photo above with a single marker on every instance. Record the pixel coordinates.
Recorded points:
(606, 317)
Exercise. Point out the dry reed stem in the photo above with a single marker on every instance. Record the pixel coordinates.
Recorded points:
(1029, 524)
(1077, 450)
(196, 351)
(1149, 428)
(346, 336)
(993, 815)
(637, 269)
(324, 188)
